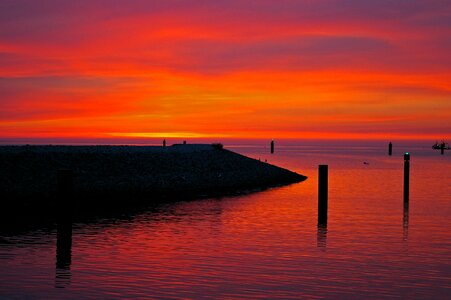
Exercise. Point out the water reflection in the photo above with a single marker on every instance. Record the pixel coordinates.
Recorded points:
(244, 247)
(63, 253)
(405, 222)
(321, 236)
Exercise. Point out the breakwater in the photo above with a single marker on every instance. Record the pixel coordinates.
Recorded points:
(120, 175)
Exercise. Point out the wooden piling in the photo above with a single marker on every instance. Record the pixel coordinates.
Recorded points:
(65, 182)
(64, 212)
(390, 149)
(164, 143)
(64, 243)
(64, 203)
(272, 147)
(442, 148)
(322, 193)
(406, 176)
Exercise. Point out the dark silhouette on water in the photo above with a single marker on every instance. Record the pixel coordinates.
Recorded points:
(63, 252)
(321, 236)
(64, 217)
(116, 177)
(64, 198)
(390, 149)
(322, 194)
(272, 147)
(405, 221)
(322, 206)
(406, 176)
(441, 146)
(164, 143)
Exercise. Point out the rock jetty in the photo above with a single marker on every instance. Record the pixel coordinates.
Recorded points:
(124, 174)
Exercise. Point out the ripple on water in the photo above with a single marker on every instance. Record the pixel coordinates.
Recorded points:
(262, 245)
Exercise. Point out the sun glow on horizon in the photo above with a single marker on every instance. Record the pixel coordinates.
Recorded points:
(166, 135)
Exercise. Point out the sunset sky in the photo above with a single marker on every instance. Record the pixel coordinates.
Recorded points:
(225, 69)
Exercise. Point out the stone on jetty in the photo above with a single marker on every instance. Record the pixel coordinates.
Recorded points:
(122, 174)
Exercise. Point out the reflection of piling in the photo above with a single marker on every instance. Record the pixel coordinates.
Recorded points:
(322, 193)
(321, 236)
(64, 244)
(272, 147)
(390, 148)
(406, 176)
(164, 143)
(405, 221)
(63, 253)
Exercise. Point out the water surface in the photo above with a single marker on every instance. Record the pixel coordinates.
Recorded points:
(260, 245)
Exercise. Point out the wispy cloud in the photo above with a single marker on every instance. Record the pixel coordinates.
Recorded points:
(226, 68)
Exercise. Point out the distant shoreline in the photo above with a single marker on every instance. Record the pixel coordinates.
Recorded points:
(108, 176)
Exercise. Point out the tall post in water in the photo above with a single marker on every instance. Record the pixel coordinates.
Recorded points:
(322, 194)
(272, 147)
(64, 210)
(164, 143)
(442, 148)
(65, 182)
(406, 176)
(390, 149)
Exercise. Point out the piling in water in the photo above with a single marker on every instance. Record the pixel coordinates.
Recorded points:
(272, 147)
(322, 194)
(442, 148)
(164, 143)
(64, 203)
(64, 211)
(406, 176)
(65, 179)
(63, 252)
(64, 244)
(390, 148)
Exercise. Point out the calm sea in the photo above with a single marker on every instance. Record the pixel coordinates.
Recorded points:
(261, 245)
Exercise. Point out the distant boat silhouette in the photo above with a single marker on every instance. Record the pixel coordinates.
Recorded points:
(442, 145)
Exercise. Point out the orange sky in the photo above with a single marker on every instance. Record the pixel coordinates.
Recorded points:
(230, 69)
